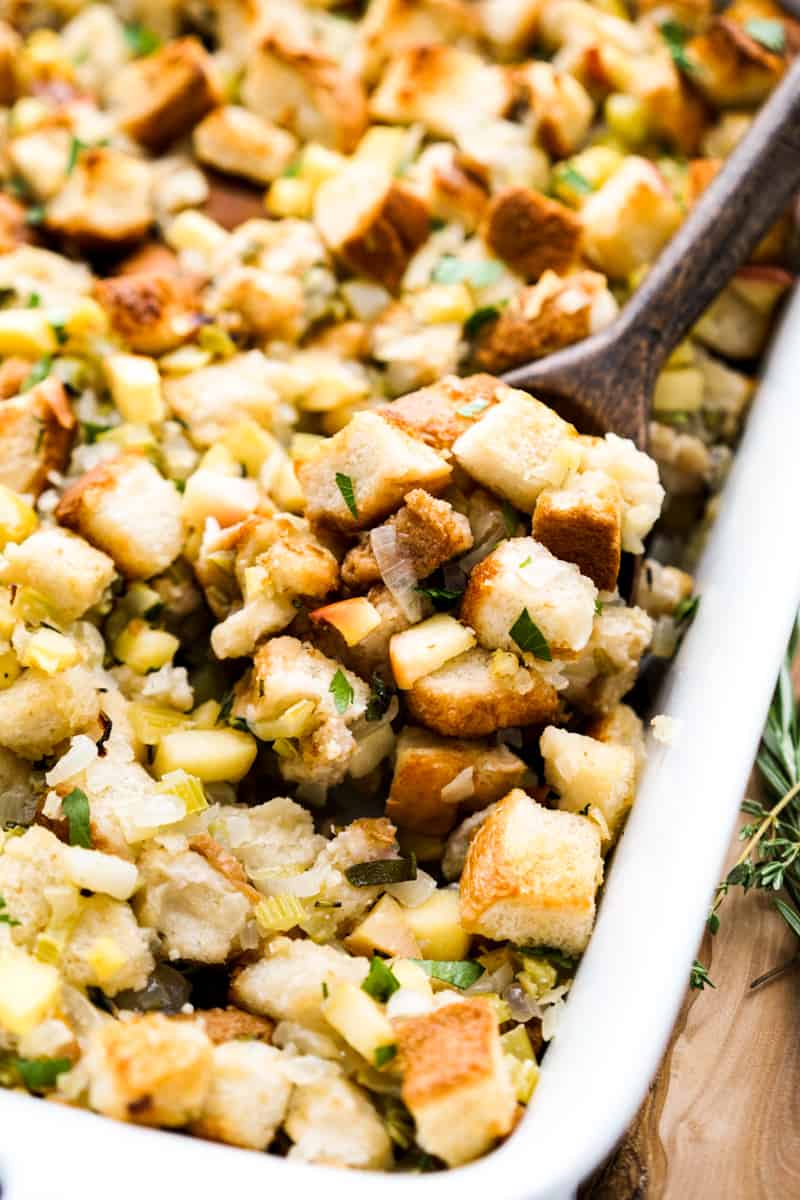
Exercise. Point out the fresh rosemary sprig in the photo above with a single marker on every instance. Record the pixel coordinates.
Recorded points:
(770, 859)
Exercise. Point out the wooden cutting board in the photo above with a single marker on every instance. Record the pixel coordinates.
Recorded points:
(722, 1119)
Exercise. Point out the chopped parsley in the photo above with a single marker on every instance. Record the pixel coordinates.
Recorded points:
(40, 1073)
(510, 518)
(141, 41)
(76, 146)
(59, 328)
(442, 598)
(572, 178)
(686, 610)
(526, 562)
(39, 371)
(381, 982)
(529, 637)
(34, 300)
(482, 316)
(474, 408)
(461, 974)
(36, 214)
(293, 169)
(676, 37)
(5, 915)
(380, 698)
(382, 870)
(345, 486)
(769, 34)
(385, 1054)
(479, 272)
(76, 809)
(342, 691)
(699, 977)
(598, 607)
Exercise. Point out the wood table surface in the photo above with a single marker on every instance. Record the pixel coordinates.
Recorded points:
(722, 1119)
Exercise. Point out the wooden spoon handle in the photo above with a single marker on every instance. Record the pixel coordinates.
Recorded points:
(753, 189)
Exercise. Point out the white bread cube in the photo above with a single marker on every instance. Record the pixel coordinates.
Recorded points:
(454, 186)
(128, 509)
(159, 97)
(30, 865)
(636, 474)
(522, 574)
(215, 398)
(63, 568)
(608, 665)
(36, 430)
(581, 523)
(588, 772)
(561, 108)
(531, 876)
(392, 26)
(441, 86)
(198, 913)
(518, 448)
(38, 711)
(531, 232)
(107, 948)
(383, 464)
(236, 141)
(510, 25)
(332, 1121)
(372, 222)
(426, 763)
(287, 983)
(629, 219)
(456, 1082)
(468, 698)
(247, 1097)
(299, 86)
(278, 831)
(151, 1070)
(621, 726)
(105, 201)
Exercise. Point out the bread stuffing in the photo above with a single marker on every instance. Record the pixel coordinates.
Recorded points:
(319, 641)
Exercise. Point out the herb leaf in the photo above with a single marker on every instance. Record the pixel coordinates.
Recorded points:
(461, 974)
(141, 41)
(40, 1073)
(442, 598)
(380, 983)
(76, 809)
(572, 178)
(769, 34)
(380, 699)
(385, 1054)
(478, 272)
(482, 316)
(529, 637)
(382, 870)
(686, 610)
(345, 486)
(676, 37)
(75, 148)
(39, 371)
(699, 977)
(342, 691)
(5, 915)
(474, 408)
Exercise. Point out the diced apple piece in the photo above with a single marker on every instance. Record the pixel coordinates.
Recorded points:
(354, 618)
(426, 647)
(213, 755)
(28, 991)
(358, 1019)
(385, 929)
(27, 332)
(17, 519)
(135, 386)
(436, 925)
(144, 649)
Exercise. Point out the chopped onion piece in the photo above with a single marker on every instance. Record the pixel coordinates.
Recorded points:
(460, 788)
(415, 891)
(81, 754)
(397, 571)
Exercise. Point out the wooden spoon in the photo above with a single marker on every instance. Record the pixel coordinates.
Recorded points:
(605, 382)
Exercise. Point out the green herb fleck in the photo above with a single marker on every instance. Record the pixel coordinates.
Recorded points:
(686, 610)
(529, 637)
(293, 169)
(342, 691)
(39, 371)
(479, 272)
(345, 486)
(567, 963)
(36, 214)
(40, 1073)
(76, 809)
(384, 1054)
(598, 607)
(699, 977)
(769, 34)
(473, 408)
(141, 41)
(526, 562)
(34, 300)
(461, 974)
(381, 871)
(482, 316)
(441, 597)
(510, 518)
(571, 177)
(325, 990)
(380, 698)
(712, 923)
(59, 328)
(5, 915)
(676, 37)
(76, 146)
(380, 983)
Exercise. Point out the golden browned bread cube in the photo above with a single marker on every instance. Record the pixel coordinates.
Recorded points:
(582, 524)
(239, 142)
(164, 94)
(152, 313)
(64, 569)
(106, 199)
(730, 66)
(561, 107)
(532, 233)
(440, 413)
(437, 85)
(531, 876)
(391, 26)
(36, 430)
(588, 773)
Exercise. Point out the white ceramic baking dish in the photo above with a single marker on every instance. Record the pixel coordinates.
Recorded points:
(633, 976)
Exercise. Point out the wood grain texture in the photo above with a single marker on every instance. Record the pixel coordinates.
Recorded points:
(722, 1119)
(606, 381)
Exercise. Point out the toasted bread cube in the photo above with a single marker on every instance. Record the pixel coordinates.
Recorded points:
(586, 772)
(106, 948)
(248, 1095)
(36, 430)
(332, 1121)
(429, 533)
(621, 726)
(38, 711)
(510, 25)
(466, 698)
(636, 474)
(10, 46)
(299, 86)
(581, 523)
(65, 570)
(660, 589)
(456, 1082)
(425, 764)
(607, 667)
(521, 574)
(14, 228)
(240, 143)
(392, 26)
(371, 655)
(372, 222)
(161, 96)
(215, 398)
(733, 68)
(531, 876)
(127, 508)
(439, 414)
(541, 319)
(152, 313)
(454, 186)
(629, 219)
(151, 1070)
(106, 199)
(561, 107)
(517, 449)
(382, 463)
(438, 84)
(287, 983)
(532, 233)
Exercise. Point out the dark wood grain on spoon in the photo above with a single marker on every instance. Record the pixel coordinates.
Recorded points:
(605, 382)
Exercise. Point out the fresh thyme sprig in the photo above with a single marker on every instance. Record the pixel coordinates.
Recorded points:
(770, 859)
